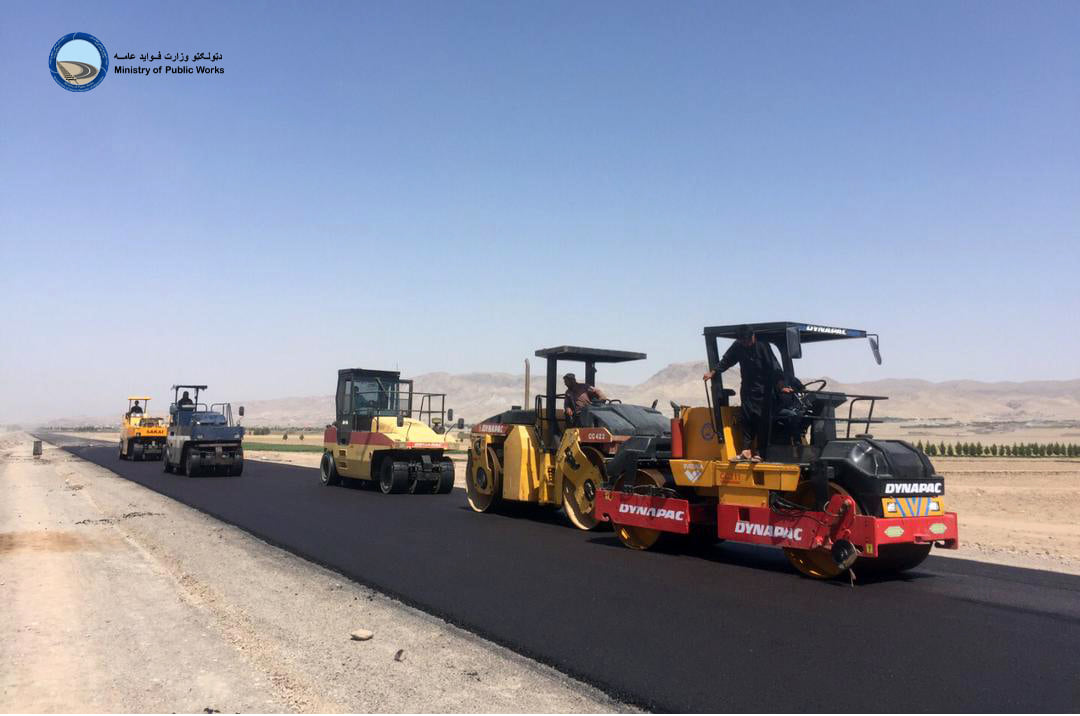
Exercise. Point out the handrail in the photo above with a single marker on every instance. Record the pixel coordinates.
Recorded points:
(405, 401)
(852, 399)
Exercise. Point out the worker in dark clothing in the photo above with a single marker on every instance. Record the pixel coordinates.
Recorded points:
(579, 395)
(185, 401)
(761, 376)
(135, 409)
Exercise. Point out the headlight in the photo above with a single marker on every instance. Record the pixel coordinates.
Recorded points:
(934, 506)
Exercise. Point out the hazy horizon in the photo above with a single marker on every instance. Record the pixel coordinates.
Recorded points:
(163, 397)
(487, 179)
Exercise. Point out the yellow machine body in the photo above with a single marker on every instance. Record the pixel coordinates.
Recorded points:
(141, 434)
(707, 467)
(514, 456)
(385, 432)
(528, 472)
(521, 470)
(356, 458)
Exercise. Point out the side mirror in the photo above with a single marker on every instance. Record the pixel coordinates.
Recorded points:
(401, 421)
(450, 415)
(654, 403)
(875, 348)
(794, 343)
(241, 411)
(461, 423)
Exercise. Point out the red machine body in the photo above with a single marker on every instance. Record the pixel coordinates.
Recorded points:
(794, 528)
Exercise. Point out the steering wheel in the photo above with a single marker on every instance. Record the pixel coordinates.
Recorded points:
(807, 389)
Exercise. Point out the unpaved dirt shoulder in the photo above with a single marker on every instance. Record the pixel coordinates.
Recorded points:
(191, 613)
(1020, 512)
(91, 624)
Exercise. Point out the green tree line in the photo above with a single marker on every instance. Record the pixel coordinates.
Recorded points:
(977, 449)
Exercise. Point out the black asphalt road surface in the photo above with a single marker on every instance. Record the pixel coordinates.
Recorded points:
(723, 628)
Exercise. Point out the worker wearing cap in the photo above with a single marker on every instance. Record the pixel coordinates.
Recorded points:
(579, 395)
(761, 375)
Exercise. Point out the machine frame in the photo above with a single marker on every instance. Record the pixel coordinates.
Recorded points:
(203, 439)
(825, 500)
(142, 436)
(395, 438)
(534, 456)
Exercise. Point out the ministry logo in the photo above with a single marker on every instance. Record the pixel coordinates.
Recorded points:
(79, 62)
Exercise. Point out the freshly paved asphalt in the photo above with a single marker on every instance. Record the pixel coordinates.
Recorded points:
(725, 628)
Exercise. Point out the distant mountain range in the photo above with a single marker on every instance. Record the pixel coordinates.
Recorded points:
(475, 396)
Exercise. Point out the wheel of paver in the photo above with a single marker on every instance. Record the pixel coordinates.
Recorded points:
(328, 471)
(817, 563)
(190, 466)
(393, 477)
(483, 485)
(445, 483)
(641, 537)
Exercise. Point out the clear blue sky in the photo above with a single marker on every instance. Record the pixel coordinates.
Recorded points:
(80, 51)
(449, 186)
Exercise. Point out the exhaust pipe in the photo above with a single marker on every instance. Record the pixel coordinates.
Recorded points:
(525, 405)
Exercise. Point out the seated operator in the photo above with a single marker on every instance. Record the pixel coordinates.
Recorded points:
(578, 396)
(185, 401)
(135, 409)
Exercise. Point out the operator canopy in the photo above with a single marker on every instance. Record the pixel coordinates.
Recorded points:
(589, 355)
(776, 332)
(789, 336)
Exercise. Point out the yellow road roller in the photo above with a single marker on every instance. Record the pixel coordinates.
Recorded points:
(558, 452)
(142, 437)
(387, 434)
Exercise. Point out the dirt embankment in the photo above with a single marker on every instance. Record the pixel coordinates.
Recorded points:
(1024, 512)
(118, 599)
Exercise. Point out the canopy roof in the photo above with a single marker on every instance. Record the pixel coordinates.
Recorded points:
(589, 355)
(390, 374)
(775, 332)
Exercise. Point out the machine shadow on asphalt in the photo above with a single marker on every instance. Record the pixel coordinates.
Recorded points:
(530, 512)
(765, 559)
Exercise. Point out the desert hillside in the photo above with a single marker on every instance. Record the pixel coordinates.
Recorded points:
(475, 396)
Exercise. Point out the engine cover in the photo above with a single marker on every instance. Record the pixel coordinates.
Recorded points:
(871, 469)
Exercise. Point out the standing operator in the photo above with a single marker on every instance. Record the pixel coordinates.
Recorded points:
(761, 375)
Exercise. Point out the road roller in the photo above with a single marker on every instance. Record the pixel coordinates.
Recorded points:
(832, 502)
(387, 434)
(542, 455)
(142, 436)
(202, 439)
